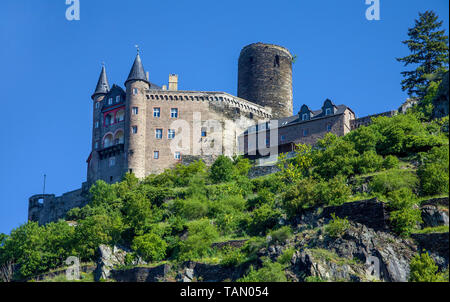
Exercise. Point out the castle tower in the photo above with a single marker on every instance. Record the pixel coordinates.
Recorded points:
(101, 90)
(265, 77)
(135, 121)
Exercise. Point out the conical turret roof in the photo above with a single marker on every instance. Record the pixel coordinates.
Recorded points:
(137, 72)
(102, 85)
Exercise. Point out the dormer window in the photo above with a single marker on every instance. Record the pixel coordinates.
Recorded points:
(305, 117)
(118, 99)
(328, 111)
(110, 101)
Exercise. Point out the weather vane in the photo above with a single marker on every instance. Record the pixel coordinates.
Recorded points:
(137, 47)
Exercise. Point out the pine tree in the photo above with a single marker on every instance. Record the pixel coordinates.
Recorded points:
(429, 53)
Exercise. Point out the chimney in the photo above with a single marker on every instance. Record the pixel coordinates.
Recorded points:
(148, 77)
(164, 87)
(173, 82)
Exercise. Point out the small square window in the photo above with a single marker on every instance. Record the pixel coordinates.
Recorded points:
(174, 113)
(156, 112)
(134, 129)
(112, 161)
(177, 155)
(283, 138)
(156, 154)
(158, 133)
(171, 134)
(305, 132)
(203, 134)
(135, 110)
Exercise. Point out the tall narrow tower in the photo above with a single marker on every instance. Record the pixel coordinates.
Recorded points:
(135, 121)
(265, 77)
(100, 92)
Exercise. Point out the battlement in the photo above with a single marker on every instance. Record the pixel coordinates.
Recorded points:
(208, 96)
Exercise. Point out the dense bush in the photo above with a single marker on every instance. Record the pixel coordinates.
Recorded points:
(434, 171)
(368, 162)
(270, 272)
(150, 247)
(337, 226)
(263, 219)
(222, 169)
(424, 269)
(201, 234)
(280, 235)
(393, 180)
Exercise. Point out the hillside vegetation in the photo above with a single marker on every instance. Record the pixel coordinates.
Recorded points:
(179, 214)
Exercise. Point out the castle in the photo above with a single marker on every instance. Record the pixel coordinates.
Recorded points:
(145, 129)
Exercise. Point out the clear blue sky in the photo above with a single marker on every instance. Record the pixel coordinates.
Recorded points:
(49, 67)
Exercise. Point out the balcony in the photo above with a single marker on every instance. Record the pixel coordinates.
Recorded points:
(111, 151)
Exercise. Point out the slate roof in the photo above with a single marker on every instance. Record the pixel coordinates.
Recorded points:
(102, 84)
(137, 72)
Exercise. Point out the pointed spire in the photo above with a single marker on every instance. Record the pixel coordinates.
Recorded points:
(137, 72)
(102, 85)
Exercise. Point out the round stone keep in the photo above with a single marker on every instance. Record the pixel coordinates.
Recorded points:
(265, 77)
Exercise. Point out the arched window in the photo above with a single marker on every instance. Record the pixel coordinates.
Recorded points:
(120, 116)
(118, 139)
(107, 141)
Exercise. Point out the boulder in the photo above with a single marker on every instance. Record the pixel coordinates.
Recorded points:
(432, 216)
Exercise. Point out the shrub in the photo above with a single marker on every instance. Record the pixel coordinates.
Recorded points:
(368, 162)
(241, 166)
(150, 247)
(191, 208)
(364, 138)
(424, 269)
(286, 257)
(337, 226)
(299, 196)
(390, 162)
(405, 220)
(222, 169)
(393, 180)
(252, 247)
(231, 257)
(270, 272)
(262, 219)
(281, 235)
(265, 196)
(201, 234)
(402, 198)
(434, 171)
(333, 192)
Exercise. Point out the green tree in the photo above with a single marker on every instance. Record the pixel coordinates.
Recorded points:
(429, 53)
(434, 171)
(222, 169)
(150, 247)
(201, 234)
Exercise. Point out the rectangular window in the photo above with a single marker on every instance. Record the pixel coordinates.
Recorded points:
(135, 110)
(134, 129)
(171, 134)
(110, 101)
(156, 154)
(96, 146)
(156, 112)
(305, 117)
(159, 133)
(329, 127)
(174, 113)
(96, 124)
(112, 161)
(135, 91)
(97, 105)
(283, 138)
(117, 98)
(177, 155)
(305, 132)
(203, 134)
(328, 111)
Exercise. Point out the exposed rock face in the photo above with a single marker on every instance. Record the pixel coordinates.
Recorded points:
(437, 244)
(108, 259)
(432, 216)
